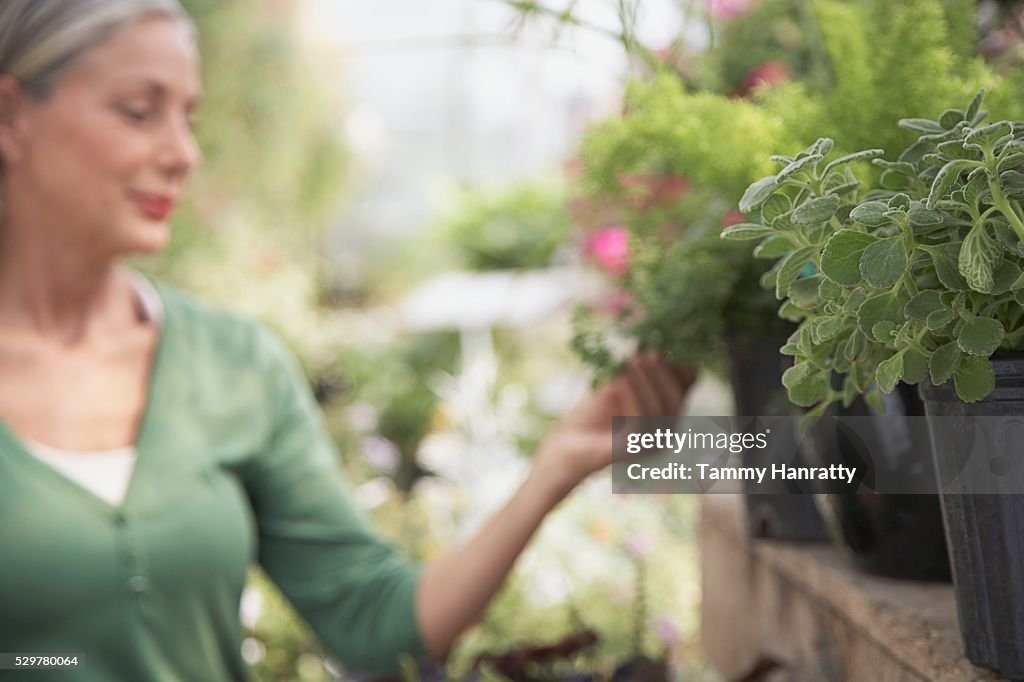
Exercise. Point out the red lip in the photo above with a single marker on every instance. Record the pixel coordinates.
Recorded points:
(154, 206)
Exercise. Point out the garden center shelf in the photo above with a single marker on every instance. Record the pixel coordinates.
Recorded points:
(803, 611)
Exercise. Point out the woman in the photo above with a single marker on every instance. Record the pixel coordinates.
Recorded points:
(151, 447)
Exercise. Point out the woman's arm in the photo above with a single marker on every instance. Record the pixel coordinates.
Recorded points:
(454, 590)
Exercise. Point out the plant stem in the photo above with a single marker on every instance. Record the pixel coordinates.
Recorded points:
(999, 199)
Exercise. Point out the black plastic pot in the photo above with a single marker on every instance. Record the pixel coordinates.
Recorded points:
(894, 535)
(985, 531)
(755, 371)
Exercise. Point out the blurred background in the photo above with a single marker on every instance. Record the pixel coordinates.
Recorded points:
(460, 213)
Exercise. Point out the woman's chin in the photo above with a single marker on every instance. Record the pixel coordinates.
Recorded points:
(151, 239)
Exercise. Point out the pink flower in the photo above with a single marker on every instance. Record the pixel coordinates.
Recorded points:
(732, 218)
(609, 248)
(767, 74)
(724, 10)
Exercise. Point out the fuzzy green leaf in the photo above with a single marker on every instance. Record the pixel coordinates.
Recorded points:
(989, 134)
(954, 149)
(797, 373)
(804, 291)
(884, 262)
(851, 158)
(884, 331)
(871, 213)
(829, 290)
(899, 201)
(945, 178)
(775, 246)
(746, 231)
(914, 152)
(923, 304)
(1010, 161)
(757, 194)
(880, 308)
(974, 106)
(889, 373)
(854, 301)
(975, 189)
(797, 166)
(938, 319)
(853, 346)
(974, 379)
(919, 215)
(944, 362)
(950, 117)
(825, 329)
(981, 336)
(979, 256)
(946, 258)
(920, 125)
(789, 311)
(1007, 273)
(915, 366)
(816, 210)
(840, 261)
(1012, 183)
(790, 269)
(810, 390)
(776, 205)
(1005, 234)
(822, 146)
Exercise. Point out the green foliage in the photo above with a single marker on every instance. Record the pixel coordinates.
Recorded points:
(887, 60)
(397, 382)
(921, 275)
(517, 228)
(273, 157)
(774, 30)
(685, 299)
(288, 649)
(719, 143)
(271, 137)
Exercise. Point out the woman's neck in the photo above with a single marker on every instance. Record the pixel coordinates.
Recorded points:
(56, 294)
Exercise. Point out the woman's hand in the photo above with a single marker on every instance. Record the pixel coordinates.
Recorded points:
(581, 442)
(455, 588)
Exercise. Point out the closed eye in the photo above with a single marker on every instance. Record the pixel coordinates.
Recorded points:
(135, 115)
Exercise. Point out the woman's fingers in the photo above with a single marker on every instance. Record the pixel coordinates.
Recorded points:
(638, 374)
(685, 375)
(669, 388)
(659, 388)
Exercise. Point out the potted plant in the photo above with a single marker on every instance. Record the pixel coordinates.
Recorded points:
(919, 281)
(691, 296)
(854, 58)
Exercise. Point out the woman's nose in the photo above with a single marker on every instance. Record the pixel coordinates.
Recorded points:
(180, 152)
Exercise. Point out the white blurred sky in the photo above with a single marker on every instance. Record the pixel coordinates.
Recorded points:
(439, 95)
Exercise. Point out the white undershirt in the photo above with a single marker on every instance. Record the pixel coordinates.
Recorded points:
(105, 473)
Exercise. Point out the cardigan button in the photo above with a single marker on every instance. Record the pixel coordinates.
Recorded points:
(138, 584)
(119, 517)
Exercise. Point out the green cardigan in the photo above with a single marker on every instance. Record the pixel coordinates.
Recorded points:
(234, 465)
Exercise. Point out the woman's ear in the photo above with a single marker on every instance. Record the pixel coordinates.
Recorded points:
(12, 106)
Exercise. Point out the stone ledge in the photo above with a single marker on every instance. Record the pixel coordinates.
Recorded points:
(806, 608)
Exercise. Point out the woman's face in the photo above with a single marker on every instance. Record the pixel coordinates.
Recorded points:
(102, 161)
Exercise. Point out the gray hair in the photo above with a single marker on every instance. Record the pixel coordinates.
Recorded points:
(41, 38)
